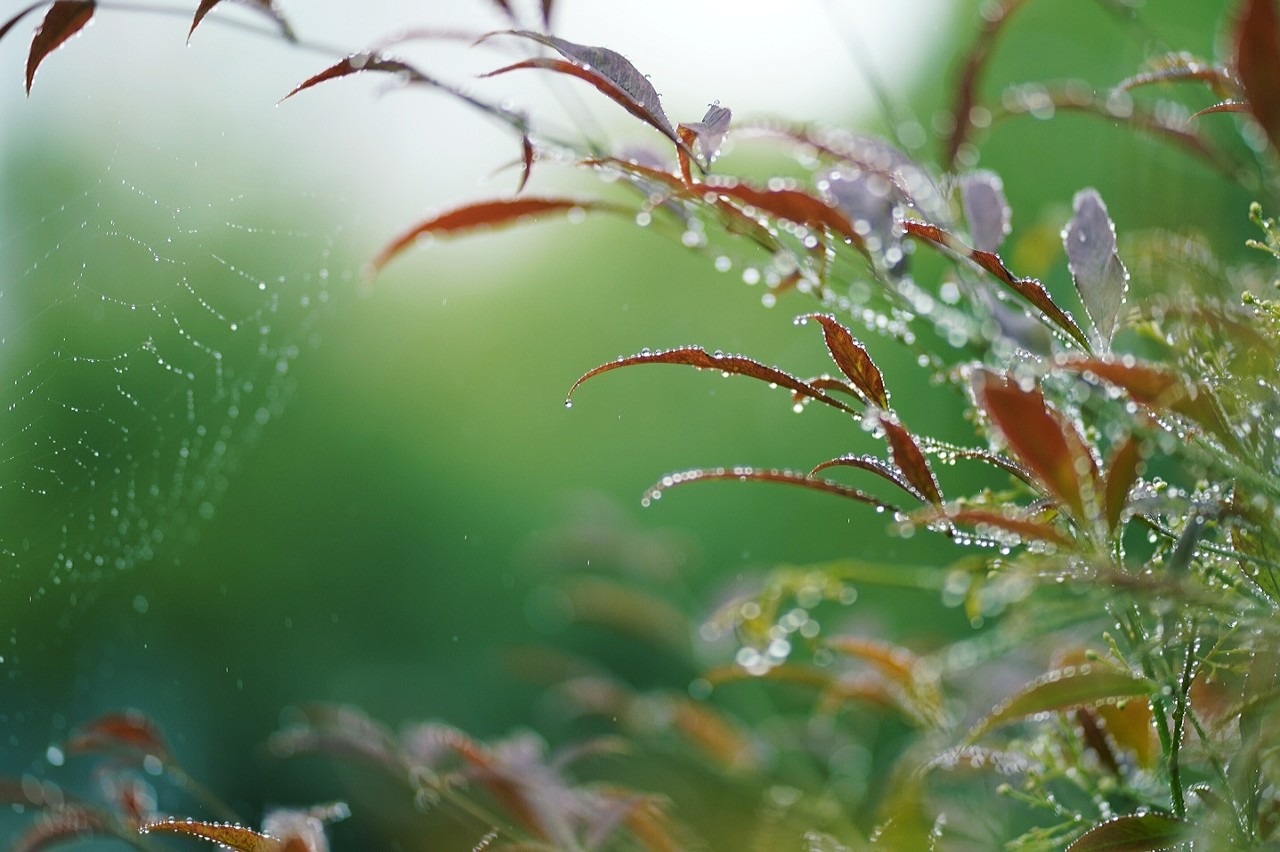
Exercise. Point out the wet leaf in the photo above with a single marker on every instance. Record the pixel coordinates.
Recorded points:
(911, 461)
(693, 356)
(782, 477)
(985, 209)
(267, 7)
(794, 205)
(852, 359)
(708, 133)
(1224, 106)
(67, 825)
(1137, 833)
(1100, 277)
(610, 72)
(893, 661)
(1029, 288)
(1126, 462)
(1179, 67)
(1064, 689)
(1257, 63)
(485, 214)
(870, 201)
(1043, 439)
(64, 19)
(1008, 520)
(227, 835)
(872, 465)
(355, 64)
(129, 730)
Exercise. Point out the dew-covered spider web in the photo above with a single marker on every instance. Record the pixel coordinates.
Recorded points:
(151, 310)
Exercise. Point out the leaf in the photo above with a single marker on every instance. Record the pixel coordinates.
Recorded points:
(610, 72)
(354, 64)
(129, 730)
(709, 133)
(485, 214)
(69, 824)
(12, 22)
(852, 359)
(527, 153)
(966, 94)
(872, 465)
(893, 661)
(1029, 288)
(693, 356)
(783, 477)
(64, 19)
(1100, 277)
(911, 461)
(1043, 439)
(794, 205)
(267, 7)
(227, 835)
(1126, 462)
(1257, 61)
(1137, 833)
(1063, 689)
(1224, 106)
(870, 200)
(506, 9)
(1176, 68)
(1008, 520)
(985, 209)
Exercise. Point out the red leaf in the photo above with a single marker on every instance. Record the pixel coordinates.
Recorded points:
(64, 19)
(486, 214)
(870, 464)
(227, 835)
(699, 358)
(69, 824)
(130, 730)
(1010, 521)
(267, 7)
(911, 461)
(794, 205)
(1063, 689)
(1043, 439)
(12, 22)
(1029, 288)
(1126, 462)
(1138, 833)
(354, 64)
(783, 477)
(1225, 106)
(1176, 68)
(852, 359)
(1257, 43)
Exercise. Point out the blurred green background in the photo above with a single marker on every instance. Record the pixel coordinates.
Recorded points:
(376, 544)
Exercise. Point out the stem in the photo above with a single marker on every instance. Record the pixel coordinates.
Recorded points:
(1177, 793)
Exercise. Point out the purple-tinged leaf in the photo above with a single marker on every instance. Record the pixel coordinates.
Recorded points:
(64, 19)
(609, 71)
(356, 63)
(1064, 689)
(911, 461)
(708, 133)
(870, 201)
(1137, 833)
(546, 12)
(1043, 439)
(67, 825)
(782, 477)
(1126, 463)
(693, 356)
(1029, 288)
(227, 835)
(985, 209)
(527, 155)
(266, 7)
(852, 359)
(485, 214)
(1180, 67)
(1257, 60)
(506, 9)
(1100, 277)
(12, 22)
(871, 464)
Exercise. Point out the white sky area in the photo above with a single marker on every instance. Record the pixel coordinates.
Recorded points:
(128, 85)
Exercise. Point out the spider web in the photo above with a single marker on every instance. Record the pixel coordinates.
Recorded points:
(149, 320)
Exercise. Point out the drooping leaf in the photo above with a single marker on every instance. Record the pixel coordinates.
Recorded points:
(1063, 689)
(267, 7)
(782, 477)
(609, 71)
(871, 464)
(1100, 277)
(708, 134)
(484, 214)
(1257, 61)
(1137, 833)
(64, 19)
(1223, 106)
(794, 205)
(58, 827)
(1179, 67)
(1122, 473)
(527, 154)
(699, 358)
(1029, 288)
(227, 835)
(12, 22)
(1010, 521)
(354, 64)
(852, 359)
(911, 461)
(342, 732)
(1043, 439)
(985, 209)
(129, 730)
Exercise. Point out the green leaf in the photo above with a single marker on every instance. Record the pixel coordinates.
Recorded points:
(1062, 689)
(1137, 833)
